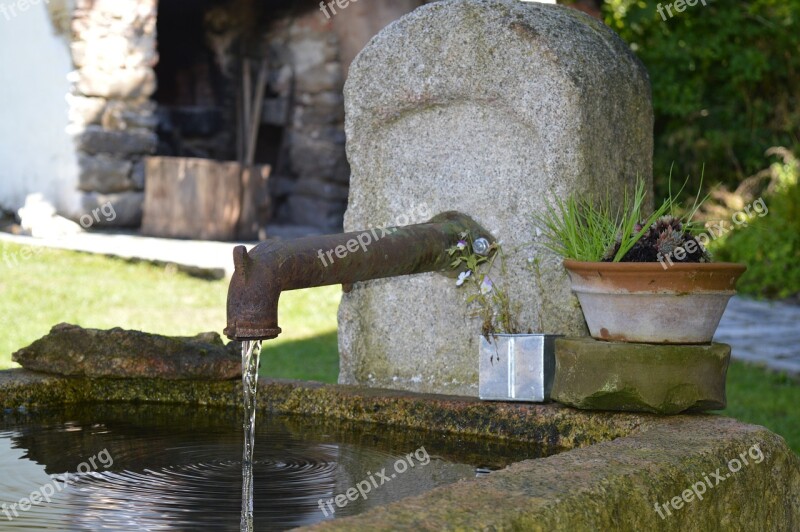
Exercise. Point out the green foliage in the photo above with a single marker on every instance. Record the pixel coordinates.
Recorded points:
(581, 229)
(725, 80)
(770, 246)
(576, 229)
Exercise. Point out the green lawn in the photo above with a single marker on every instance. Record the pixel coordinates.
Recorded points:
(42, 289)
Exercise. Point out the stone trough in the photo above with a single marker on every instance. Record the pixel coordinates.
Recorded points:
(483, 107)
(611, 470)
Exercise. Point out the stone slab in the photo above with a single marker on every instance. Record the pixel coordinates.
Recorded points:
(95, 139)
(104, 174)
(487, 108)
(662, 379)
(70, 350)
(125, 209)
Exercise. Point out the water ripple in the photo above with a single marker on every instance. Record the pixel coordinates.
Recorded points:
(181, 469)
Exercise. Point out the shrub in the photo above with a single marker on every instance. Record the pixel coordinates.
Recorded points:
(725, 81)
(770, 246)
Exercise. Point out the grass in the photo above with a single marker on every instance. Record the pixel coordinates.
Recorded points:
(577, 229)
(40, 291)
(765, 398)
(41, 288)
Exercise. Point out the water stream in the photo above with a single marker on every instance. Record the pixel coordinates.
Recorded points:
(251, 352)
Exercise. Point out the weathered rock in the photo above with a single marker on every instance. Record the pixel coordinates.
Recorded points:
(663, 379)
(617, 485)
(122, 115)
(487, 107)
(326, 77)
(138, 174)
(118, 84)
(96, 140)
(316, 212)
(321, 189)
(318, 116)
(334, 101)
(122, 209)
(70, 350)
(104, 174)
(114, 51)
(328, 147)
(84, 110)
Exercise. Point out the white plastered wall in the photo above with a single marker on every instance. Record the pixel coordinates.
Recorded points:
(37, 155)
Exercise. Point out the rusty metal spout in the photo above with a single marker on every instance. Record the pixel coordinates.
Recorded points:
(274, 266)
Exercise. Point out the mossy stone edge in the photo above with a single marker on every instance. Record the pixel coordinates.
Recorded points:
(616, 467)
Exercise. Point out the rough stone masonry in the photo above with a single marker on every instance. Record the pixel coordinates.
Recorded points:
(487, 108)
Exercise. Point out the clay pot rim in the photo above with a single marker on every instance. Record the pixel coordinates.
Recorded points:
(651, 267)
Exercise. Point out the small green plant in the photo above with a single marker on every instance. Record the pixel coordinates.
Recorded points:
(580, 229)
(492, 304)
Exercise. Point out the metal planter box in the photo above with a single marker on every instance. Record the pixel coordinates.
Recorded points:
(517, 367)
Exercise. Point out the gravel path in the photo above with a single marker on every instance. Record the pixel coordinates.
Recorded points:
(763, 333)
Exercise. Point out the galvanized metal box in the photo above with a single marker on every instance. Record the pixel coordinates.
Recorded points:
(517, 367)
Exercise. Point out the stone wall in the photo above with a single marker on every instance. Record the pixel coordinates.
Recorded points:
(116, 123)
(113, 47)
(116, 120)
(313, 55)
(310, 184)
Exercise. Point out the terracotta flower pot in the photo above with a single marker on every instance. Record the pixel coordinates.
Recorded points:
(643, 302)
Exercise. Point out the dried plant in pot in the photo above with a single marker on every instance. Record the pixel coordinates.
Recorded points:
(640, 278)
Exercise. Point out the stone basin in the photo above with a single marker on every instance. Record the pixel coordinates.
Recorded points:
(610, 471)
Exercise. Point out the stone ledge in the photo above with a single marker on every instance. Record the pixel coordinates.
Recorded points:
(626, 464)
(552, 426)
(70, 350)
(633, 377)
(615, 486)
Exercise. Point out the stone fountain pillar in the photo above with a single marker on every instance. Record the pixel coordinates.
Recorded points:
(486, 107)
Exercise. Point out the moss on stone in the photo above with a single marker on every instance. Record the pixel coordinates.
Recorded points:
(618, 465)
(662, 379)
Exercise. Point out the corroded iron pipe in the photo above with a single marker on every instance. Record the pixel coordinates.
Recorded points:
(274, 266)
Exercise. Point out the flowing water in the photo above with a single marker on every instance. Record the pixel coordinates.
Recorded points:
(251, 352)
(138, 467)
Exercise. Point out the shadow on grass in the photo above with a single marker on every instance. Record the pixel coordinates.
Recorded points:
(309, 359)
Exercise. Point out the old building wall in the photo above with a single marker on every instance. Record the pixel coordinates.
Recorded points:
(93, 97)
(36, 152)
